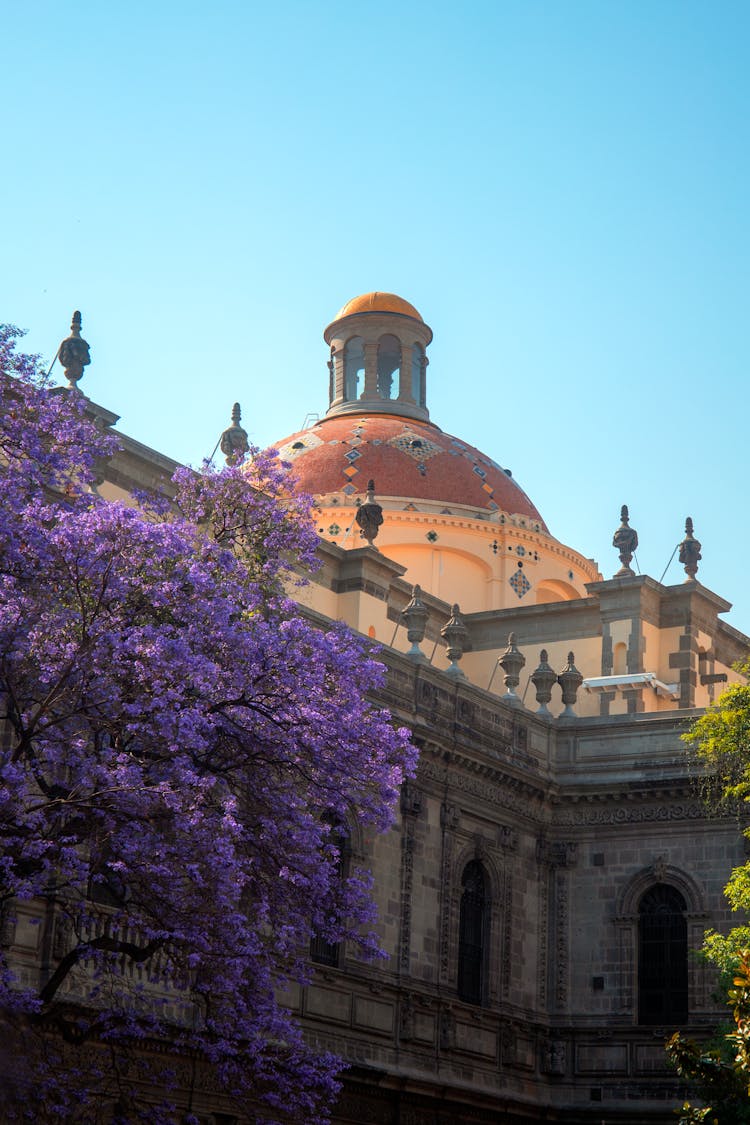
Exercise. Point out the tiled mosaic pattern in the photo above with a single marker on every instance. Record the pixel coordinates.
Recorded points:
(416, 446)
(301, 444)
(479, 467)
(520, 583)
(346, 452)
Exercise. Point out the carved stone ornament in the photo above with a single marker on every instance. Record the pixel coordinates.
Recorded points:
(234, 439)
(369, 515)
(406, 1018)
(690, 551)
(511, 662)
(659, 868)
(509, 1045)
(450, 816)
(415, 615)
(466, 712)
(556, 853)
(428, 695)
(544, 678)
(411, 799)
(74, 353)
(554, 1057)
(455, 633)
(570, 679)
(447, 1029)
(626, 541)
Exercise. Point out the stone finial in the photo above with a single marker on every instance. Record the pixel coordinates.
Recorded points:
(74, 353)
(415, 616)
(570, 679)
(690, 552)
(234, 439)
(626, 541)
(544, 678)
(455, 633)
(511, 662)
(369, 515)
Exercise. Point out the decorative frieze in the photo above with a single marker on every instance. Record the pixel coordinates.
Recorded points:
(407, 878)
(542, 937)
(630, 814)
(508, 921)
(514, 796)
(561, 939)
(449, 817)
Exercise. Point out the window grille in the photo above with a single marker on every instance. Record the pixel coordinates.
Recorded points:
(471, 933)
(662, 957)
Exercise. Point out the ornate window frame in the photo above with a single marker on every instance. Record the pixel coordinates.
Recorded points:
(627, 919)
(492, 951)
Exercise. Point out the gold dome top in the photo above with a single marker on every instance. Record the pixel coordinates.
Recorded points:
(378, 302)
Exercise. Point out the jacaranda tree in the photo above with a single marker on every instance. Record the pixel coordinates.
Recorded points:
(181, 755)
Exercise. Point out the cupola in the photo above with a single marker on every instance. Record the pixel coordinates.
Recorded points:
(378, 358)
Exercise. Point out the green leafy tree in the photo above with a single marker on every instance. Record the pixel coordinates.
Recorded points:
(720, 1069)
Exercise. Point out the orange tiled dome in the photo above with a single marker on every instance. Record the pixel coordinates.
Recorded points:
(378, 302)
(408, 459)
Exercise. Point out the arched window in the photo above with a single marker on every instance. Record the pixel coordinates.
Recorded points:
(662, 957)
(417, 364)
(331, 377)
(389, 363)
(354, 366)
(471, 933)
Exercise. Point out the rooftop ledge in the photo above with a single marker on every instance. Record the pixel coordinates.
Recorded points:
(630, 681)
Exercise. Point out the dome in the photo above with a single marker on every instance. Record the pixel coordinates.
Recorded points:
(377, 302)
(454, 521)
(408, 459)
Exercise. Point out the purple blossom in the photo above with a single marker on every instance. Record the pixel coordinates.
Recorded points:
(177, 741)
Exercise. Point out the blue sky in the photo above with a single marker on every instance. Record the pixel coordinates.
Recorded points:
(560, 188)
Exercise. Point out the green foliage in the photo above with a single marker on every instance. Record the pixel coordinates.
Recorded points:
(721, 741)
(721, 1070)
(723, 950)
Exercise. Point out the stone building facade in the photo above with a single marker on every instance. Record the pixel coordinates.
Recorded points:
(551, 866)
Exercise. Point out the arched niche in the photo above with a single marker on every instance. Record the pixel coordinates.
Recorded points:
(555, 590)
(448, 573)
(354, 367)
(389, 366)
